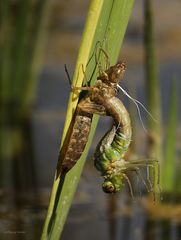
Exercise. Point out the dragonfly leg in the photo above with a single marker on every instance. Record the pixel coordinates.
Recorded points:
(107, 62)
(137, 170)
(150, 164)
(148, 177)
(129, 184)
(94, 51)
(74, 89)
(96, 61)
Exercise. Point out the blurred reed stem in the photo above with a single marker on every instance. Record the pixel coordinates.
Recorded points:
(169, 165)
(152, 90)
(19, 51)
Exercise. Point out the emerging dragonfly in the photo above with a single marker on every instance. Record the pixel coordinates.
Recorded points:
(110, 152)
(109, 156)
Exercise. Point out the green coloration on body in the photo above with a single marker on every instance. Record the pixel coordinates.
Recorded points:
(109, 161)
(109, 155)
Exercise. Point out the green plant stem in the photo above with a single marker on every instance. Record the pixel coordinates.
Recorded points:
(152, 90)
(107, 20)
(169, 163)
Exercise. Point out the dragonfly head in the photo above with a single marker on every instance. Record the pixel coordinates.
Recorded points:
(112, 185)
(116, 72)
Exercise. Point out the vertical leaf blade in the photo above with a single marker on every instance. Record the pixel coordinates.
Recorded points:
(106, 19)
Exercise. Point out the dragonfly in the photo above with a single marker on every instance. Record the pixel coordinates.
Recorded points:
(109, 155)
